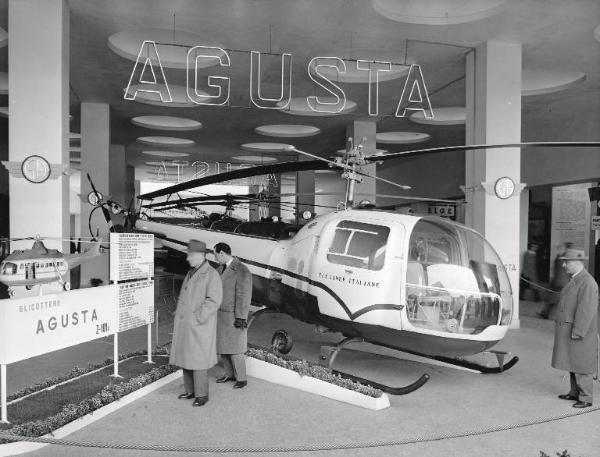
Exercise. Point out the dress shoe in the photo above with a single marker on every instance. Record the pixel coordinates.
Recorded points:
(200, 401)
(240, 384)
(225, 379)
(582, 404)
(185, 396)
(568, 397)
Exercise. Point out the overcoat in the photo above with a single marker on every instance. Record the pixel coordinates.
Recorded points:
(195, 325)
(577, 313)
(237, 295)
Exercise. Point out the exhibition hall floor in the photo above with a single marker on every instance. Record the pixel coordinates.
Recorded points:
(453, 402)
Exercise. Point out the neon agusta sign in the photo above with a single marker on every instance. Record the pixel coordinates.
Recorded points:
(215, 90)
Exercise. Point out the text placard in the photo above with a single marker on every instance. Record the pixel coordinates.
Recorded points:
(32, 326)
(136, 304)
(131, 256)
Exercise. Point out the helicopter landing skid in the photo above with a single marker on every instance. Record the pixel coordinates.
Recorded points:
(500, 356)
(329, 353)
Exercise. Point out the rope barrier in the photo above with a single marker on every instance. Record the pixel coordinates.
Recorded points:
(301, 447)
(538, 286)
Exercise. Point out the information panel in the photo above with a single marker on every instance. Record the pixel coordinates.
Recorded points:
(131, 256)
(136, 304)
(32, 326)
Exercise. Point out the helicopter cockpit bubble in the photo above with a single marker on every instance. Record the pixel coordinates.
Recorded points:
(455, 281)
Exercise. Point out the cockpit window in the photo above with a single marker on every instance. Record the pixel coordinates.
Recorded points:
(356, 244)
(9, 268)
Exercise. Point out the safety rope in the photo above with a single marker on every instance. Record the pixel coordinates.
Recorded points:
(301, 447)
(536, 285)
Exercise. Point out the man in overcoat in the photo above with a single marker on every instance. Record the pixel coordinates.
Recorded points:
(194, 347)
(232, 340)
(576, 331)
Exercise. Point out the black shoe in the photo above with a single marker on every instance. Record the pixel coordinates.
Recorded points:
(200, 401)
(240, 384)
(185, 396)
(225, 379)
(582, 404)
(569, 397)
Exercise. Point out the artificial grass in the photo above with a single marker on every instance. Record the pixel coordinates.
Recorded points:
(44, 404)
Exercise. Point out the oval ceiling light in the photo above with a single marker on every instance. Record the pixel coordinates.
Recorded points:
(597, 33)
(377, 151)
(299, 106)
(454, 115)
(266, 147)
(537, 81)
(3, 83)
(74, 136)
(287, 130)
(401, 137)
(165, 153)
(179, 97)
(255, 159)
(438, 12)
(3, 37)
(166, 123)
(3, 111)
(172, 46)
(75, 149)
(165, 141)
(353, 75)
(168, 163)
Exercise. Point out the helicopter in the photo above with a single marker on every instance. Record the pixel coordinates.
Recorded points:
(40, 265)
(419, 284)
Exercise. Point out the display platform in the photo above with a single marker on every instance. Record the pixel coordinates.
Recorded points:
(458, 405)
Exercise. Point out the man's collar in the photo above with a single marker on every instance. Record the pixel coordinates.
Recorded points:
(228, 263)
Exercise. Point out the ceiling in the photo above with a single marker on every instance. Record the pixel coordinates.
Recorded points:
(557, 37)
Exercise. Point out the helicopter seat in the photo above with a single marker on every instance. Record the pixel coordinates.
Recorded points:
(416, 280)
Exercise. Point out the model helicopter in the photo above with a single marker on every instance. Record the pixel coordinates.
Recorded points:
(40, 265)
(422, 285)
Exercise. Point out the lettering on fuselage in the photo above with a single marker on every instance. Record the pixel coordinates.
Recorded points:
(349, 281)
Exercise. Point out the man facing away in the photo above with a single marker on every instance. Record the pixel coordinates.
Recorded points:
(194, 347)
(576, 331)
(232, 338)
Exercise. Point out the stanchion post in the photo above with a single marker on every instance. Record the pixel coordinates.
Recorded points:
(4, 416)
(149, 326)
(116, 356)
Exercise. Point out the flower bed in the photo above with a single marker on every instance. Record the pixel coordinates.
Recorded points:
(302, 375)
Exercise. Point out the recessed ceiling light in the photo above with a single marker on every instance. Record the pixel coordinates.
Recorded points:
(75, 149)
(166, 123)
(165, 153)
(3, 83)
(4, 111)
(299, 107)
(437, 12)
(3, 37)
(167, 163)
(266, 147)
(179, 97)
(442, 116)
(287, 130)
(172, 46)
(165, 141)
(74, 136)
(255, 159)
(353, 75)
(401, 137)
(377, 151)
(538, 81)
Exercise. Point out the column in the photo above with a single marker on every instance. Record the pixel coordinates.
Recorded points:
(95, 147)
(38, 62)
(305, 190)
(493, 81)
(364, 132)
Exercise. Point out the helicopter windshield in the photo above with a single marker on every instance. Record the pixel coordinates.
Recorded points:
(9, 268)
(455, 281)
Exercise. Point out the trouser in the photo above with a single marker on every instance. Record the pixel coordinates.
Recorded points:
(196, 381)
(582, 386)
(235, 365)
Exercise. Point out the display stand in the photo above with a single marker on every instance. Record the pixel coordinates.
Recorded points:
(4, 415)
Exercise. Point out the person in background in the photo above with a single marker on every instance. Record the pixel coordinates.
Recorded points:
(529, 275)
(194, 347)
(232, 338)
(576, 332)
(559, 280)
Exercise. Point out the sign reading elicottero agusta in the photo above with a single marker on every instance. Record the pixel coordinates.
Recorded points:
(32, 326)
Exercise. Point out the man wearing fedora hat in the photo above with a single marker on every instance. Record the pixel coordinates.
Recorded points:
(194, 347)
(575, 336)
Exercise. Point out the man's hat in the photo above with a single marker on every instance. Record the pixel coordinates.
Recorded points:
(573, 254)
(196, 246)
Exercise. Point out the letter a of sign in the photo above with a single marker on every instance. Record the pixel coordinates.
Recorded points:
(147, 76)
(418, 98)
(286, 83)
